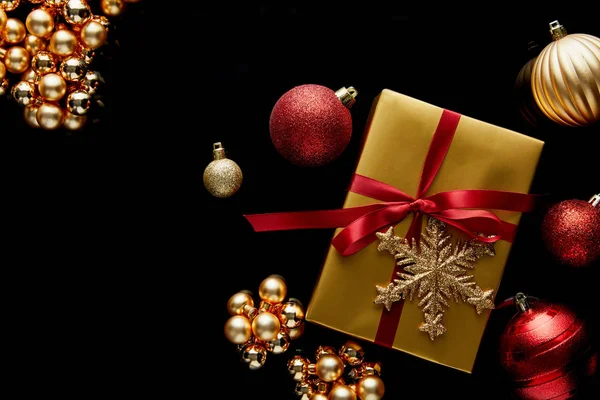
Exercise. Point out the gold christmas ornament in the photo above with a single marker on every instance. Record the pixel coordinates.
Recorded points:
(565, 78)
(332, 377)
(222, 177)
(436, 272)
(51, 47)
(264, 329)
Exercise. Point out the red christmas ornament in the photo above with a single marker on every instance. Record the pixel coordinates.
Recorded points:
(546, 350)
(311, 125)
(571, 231)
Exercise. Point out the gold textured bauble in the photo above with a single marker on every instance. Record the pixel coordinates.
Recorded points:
(222, 177)
(565, 78)
(112, 7)
(304, 390)
(352, 353)
(236, 303)
(39, 22)
(73, 69)
(280, 343)
(55, 3)
(4, 84)
(298, 367)
(9, 5)
(23, 92)
(77, 12)
(370, 388)
(272, 289)
(91, 81)
(265, 326)
(30, 115)
(43, 62)
(296, 333)
(17, 60)
(2, 71)
(291, 314)
(329, 368)
(14, 31)
(50, 116)
(63, 42)
(93, 34)
(33, 44)
(324, 350)
(74, 122)
(3, 19)
(238, 329)
(52, 87)
(254, 355)
(341, 392)
(319, 396)
(79, 102)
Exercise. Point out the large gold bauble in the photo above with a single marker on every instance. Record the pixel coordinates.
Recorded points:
(63, 42)
(265, 326)
(566, 78)
(236, 303)
(74, 122)
(319, 396)
(30, 115)
(342, 392)
(40, 22)
(14, 31)
(93, 34)
(238, 329)
(370, 388)
(52, 87)
(17, 60)
(329, 368)
(50, 116)
(272, 289)
(33, 44)
(112, 7)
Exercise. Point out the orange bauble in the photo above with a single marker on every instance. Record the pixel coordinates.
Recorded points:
(565, 78)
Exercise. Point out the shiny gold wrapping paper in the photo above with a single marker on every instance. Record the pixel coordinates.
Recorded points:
(482, 156)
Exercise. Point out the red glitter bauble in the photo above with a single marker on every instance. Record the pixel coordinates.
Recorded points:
(310, 126)
(571, 232)
(547, 352)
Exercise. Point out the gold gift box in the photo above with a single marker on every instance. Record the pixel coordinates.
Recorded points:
(397, 139)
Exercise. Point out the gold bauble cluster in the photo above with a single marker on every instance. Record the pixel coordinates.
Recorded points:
(268, 328)
(337, 375)
(45, 60)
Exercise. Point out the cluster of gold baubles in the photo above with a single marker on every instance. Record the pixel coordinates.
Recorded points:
(268, 328)
(46, 58)
(337, 375)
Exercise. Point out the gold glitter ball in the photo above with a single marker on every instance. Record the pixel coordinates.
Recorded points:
(222, 177)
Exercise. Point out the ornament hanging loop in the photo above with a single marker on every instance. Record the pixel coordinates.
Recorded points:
(347, 96)
(595, 200)
(218, 151)
(557, 31)
(522, 302)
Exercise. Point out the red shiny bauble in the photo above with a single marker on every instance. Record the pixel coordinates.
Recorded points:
(546, 352)
(310, 126)
(571, 232)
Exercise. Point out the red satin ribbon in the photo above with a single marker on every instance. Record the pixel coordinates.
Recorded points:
(459, 208)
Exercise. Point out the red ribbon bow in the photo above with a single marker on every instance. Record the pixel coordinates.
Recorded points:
(459, 208)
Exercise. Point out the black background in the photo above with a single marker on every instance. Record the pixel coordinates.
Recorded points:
(124, 262)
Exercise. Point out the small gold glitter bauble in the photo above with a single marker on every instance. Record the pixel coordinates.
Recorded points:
(265, 326)
(222, 177)
(238, 329)
(291, 314)
(254, 355)
(30, 115)
(17, 60)
(342, 392)
(298, 367)
(39, 22)
(23, 92)
(52, 87)
(296, 333)
(329, 368)
(272, 289)
(74, 122)
(50, 116)
(236, 303)
(33, 44)
(14, 31)
(352, 353)
(63, 42)
(93, 34)
(370, 388)
(9, 5)
(112, 7)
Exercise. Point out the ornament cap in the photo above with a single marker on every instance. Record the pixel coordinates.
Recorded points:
(218, 151)
(347, 96)
(522, 302)
(595, 200)
(557, 31)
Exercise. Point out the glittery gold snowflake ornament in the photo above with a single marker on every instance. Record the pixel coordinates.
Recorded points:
(436, 271)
